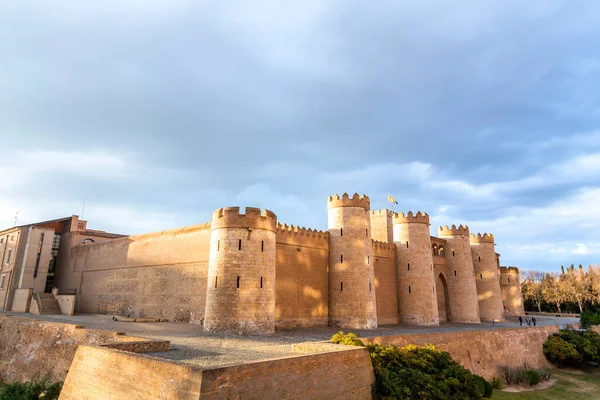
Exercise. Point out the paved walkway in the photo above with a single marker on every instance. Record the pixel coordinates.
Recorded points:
(191, 345)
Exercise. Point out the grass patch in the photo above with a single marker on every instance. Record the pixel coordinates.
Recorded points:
(568, 386)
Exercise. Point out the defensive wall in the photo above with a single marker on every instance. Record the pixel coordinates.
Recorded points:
(31, 348)
(483, 352)
(159, 275)
(343, 373)
(243, 272)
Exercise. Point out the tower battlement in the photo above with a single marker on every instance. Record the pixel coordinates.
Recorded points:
(410, 218)
(453, 230)
(356, 200)
(382, 246)
(509, 270)
(230, 217)
(479, 238)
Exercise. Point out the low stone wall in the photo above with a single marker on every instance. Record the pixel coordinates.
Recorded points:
(30, 348)
(343, 373)
(140, 346)
(484, 351)
(66, 302)
(22, 300)
(103, 373)
(546, 314)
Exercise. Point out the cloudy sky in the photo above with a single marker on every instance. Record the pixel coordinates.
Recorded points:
(484, 113)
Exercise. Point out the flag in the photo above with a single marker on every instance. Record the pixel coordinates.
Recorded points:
(392, 200)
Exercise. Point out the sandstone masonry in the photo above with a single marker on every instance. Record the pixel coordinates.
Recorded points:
(244, 272)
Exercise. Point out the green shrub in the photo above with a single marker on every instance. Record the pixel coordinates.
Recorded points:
(416, 372)
(496, 382)
(573, 348)
(560, 352)
(349, 339)
(33, 390)
(532, 377)
(590, 318)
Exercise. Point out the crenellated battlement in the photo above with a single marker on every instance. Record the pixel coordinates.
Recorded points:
(356, 200)
(291, 230)
(410, 218)
(382, 246)
(385, 211)
(453, 230)
(479, 238)
(230, 217)
(509, 270)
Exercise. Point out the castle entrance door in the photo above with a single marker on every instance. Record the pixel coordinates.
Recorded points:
(441, 288)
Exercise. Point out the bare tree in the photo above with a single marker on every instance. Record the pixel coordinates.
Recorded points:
(532, 288)
(554, 290)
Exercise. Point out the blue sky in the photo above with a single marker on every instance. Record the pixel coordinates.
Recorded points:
(484, 113)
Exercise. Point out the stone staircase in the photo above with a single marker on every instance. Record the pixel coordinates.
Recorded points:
(46, 304)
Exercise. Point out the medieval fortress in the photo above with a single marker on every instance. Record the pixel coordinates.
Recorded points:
(243, 272)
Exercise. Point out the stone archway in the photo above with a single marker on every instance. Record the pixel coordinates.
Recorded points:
(441, 289)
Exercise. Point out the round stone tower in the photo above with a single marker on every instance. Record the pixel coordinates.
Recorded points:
(417, 301)
(512, 298)
(240, 295)
(461, 275)
(351, 273)
(487, 280)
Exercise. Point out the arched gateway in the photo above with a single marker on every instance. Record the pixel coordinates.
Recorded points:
(441, 288)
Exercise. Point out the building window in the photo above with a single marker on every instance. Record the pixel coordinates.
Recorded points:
(240, 244)
(262, 247)
(442, 252)
(479, 258)
(368, 259)
(409, 290)
(341, 286)
(88, 241)
(261, 282)
(2, 281)
(8, 256)
(454, 272)
(12, 238)
(1, 240)
(409, 266)
(341, 258)
(452, 253)
(480, 276)
(366, 233)
(369, 287)
(238, 282)
(407, 244)
(435, 250)
(341, 231)
(216, 278)
(39, 254)
(218, 245)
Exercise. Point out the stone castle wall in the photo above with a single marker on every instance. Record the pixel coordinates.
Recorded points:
(462, 290)
(302, 288)
(487, 278)
(243, 272)
(158, 275)
(386, 287)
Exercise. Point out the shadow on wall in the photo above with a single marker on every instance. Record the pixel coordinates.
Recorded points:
(302, 286)
(158, 275)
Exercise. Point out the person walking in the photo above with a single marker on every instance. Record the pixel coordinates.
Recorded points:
(528, 321)
(520, 320)
(534, 321)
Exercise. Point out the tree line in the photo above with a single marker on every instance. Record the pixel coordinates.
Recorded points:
(571, 290)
